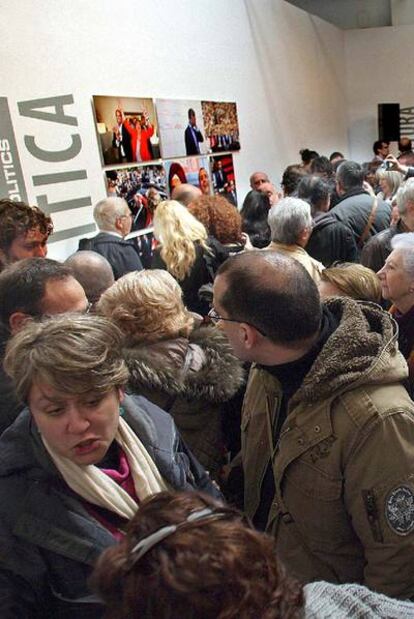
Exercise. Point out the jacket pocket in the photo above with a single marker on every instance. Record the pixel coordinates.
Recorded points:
(315, 501)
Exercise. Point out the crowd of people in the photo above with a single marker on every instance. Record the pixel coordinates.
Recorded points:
(220, 424)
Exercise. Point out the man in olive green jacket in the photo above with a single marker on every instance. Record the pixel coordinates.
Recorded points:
(327, 427)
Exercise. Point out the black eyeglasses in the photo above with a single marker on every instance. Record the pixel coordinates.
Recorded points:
(215, 318)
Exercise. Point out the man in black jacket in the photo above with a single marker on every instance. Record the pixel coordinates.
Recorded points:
(377, 250)
(114, 220)
(364, 214)
(330, 240)
(192, 135)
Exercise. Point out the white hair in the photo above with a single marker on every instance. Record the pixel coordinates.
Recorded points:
(405, 243)
(107, 211)
(405, 194)
(288, 219)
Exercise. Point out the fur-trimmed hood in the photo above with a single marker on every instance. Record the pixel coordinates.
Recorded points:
(363, 349)
(202, 366)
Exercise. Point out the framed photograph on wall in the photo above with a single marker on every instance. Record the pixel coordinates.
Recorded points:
(143, 187)
(221, 126)
(181, 128)
(127, 129)
(223, 177)
(193, 170)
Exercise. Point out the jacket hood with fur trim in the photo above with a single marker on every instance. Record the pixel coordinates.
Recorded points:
(200, 366)
(363, 348)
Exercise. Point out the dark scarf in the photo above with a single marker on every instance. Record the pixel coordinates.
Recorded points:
(405, 329)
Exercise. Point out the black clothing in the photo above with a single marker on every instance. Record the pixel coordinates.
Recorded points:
(202, 272)
(10, 407)
(122, 255)
(331, 240)
(192, 137)
(377, 250)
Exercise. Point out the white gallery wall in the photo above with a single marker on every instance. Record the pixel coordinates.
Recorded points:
(380, 69)
(283, 67)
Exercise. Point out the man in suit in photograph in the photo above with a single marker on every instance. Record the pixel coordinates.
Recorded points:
(192, 135)
(121, 139)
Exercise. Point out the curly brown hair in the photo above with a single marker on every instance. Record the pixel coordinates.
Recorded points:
(221, 219)
(218, 568)
(17, 218)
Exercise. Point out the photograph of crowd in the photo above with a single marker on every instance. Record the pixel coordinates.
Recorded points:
(221, 126)
(181, 128)
(127, 129)
(193, 170)
(223, 177)
(142, 187)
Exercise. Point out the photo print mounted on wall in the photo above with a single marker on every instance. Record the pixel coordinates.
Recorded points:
(181, 128)
(221, 125)
(224, 180)
(143, 187)
(193, 170)
(127, 129)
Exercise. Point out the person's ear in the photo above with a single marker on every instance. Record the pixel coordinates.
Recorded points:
(248, 335)
(17, 320)
(118, 224)
(121, 394)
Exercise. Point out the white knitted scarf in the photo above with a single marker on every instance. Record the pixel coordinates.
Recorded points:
(94, 486)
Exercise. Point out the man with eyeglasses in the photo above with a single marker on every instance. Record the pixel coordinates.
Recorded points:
(30, 289)
(114, 220)
(327, 426)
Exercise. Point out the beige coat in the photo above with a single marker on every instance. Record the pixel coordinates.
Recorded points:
(343, 466)
(313, 267)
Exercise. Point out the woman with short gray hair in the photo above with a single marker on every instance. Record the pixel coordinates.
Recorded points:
(290, 224)
(397, 283)
(76, 464)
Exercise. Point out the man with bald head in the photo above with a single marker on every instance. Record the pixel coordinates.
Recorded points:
(93, 272)
(327, 427)
(257, 179)
(185, 193)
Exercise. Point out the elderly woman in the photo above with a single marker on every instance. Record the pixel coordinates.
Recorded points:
(348, 279)
(76, 464)
(397, 284)
(184, 252)
(389, 182)
(291, 226)
(188, 556)
(187, 369)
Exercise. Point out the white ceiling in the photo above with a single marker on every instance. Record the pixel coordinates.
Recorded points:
(351, 14)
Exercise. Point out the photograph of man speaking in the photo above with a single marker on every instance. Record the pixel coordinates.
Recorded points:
(192, 135)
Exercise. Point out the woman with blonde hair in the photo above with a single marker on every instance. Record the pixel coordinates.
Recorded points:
(184, 252)
(389, 182)
(348, 279)
(182, 366)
